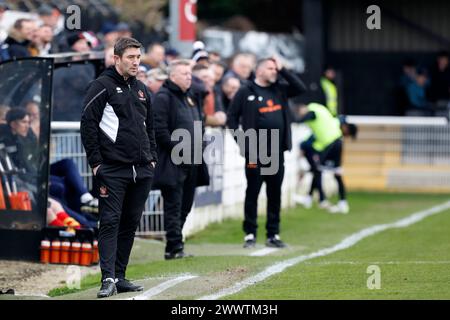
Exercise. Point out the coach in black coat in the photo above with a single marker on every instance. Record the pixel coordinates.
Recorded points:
(177, 108)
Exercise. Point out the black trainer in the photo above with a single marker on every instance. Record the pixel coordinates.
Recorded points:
(108, 288)
(176, 255)
(249, 241)
(275, 242)
(123, 285)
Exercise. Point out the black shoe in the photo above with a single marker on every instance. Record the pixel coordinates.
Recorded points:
(275, 242)
(123, 285)
(108, 288)
(249, 241)
(176, 255)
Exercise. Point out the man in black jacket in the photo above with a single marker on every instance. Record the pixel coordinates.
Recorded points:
(178, 109)
(262, 105)
(117, 134)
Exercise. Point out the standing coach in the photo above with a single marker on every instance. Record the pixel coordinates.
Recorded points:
(178, 108)
(117, 134)
(263, 104)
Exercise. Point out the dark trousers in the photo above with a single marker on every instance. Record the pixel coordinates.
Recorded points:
(121, 203)
(273, 191)
(178, 202)
(66, 183)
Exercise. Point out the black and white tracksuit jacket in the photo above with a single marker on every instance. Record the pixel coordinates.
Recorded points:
(117, 121)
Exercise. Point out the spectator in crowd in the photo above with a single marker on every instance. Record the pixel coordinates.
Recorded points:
(123, 29)
(439, 89)
(218, 69)
(52, 17)
(175, 108)
(171, 54)
(200, 55)
(212, 101)
(230, 85)
(3, 32)
(241, 66)
(214, 57)
(263, 104)
(109, 56)
(329, 90)
(155, 56)
(409, 70)
(44, 40)
(33, 45)
(19, 38)
(110, 34)
(416, 93)
(33, 111)
(155, 79)
(3, 111)
(77, 42)
(142, 74)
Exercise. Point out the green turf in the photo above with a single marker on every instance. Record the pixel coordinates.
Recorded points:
(220, 259)
(413, 261)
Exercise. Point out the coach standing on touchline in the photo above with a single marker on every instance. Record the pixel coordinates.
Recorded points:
(263, 104)
(117, 134)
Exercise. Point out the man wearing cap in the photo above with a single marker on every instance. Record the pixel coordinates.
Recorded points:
(78, 43)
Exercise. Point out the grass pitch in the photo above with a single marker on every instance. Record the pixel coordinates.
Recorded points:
(413, 261)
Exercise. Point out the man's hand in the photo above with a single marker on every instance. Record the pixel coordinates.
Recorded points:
(278, 62)
(94, 170)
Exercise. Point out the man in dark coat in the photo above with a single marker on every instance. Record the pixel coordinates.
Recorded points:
(181, 167)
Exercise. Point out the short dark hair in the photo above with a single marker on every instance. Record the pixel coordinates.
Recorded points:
(199, 67)
(15, 114)
(124, 43)
(262, 61)
(19, 23)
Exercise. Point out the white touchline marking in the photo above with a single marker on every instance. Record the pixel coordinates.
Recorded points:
(162, 287)
(263, 252)
(344, 244)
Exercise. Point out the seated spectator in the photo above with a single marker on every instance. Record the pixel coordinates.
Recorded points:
(155, 79)
(19, 136)
(33, 111)
(66, 185)
(19, 38)
(439, 89)
(230, 85)
(59, 215)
